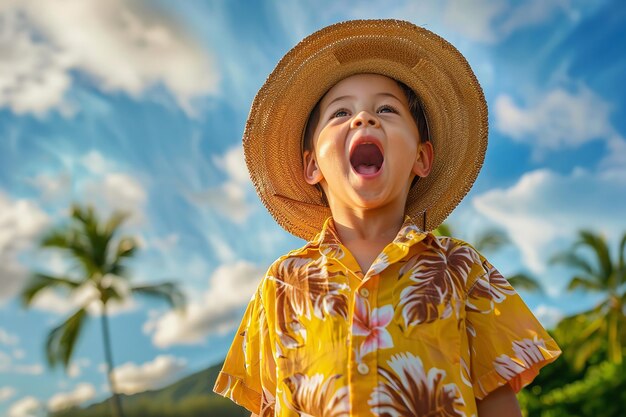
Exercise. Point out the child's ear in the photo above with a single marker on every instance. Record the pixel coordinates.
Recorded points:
(424, 161)
(312, 173)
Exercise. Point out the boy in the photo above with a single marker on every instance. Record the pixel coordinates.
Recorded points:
(367, 135)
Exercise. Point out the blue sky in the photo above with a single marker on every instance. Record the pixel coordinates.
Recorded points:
(140, 106)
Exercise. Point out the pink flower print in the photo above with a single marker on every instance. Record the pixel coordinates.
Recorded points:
(372, 325)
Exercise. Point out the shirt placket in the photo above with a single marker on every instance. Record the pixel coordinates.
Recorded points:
(363, 371)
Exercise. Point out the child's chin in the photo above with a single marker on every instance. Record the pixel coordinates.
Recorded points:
(370, 199)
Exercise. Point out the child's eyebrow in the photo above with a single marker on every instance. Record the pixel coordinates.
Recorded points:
(384, 94)
(388, 95)
(338, 99)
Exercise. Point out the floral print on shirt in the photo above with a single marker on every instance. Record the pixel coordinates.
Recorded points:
(430, 328)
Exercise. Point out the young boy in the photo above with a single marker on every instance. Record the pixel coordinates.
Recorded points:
(365, 137)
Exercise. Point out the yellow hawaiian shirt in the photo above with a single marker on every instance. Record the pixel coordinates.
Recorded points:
(430, 328)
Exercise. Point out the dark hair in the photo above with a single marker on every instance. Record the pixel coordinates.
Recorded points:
(415, 107)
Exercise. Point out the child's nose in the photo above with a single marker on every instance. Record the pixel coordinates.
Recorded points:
(364, 119)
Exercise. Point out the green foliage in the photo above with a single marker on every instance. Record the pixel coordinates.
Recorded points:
(192, 396)
(598, 272)
(600, 393)
(444, 229)
(193, 406)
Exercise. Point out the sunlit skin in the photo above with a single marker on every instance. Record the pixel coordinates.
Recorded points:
(368, 211)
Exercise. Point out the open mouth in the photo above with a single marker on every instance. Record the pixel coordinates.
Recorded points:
(366, 159)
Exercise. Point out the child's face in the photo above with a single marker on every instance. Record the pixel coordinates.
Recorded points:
(366, 146)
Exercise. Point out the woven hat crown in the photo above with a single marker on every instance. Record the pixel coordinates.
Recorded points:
(452, 99)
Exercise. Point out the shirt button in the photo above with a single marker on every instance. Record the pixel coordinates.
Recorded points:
(364, 292)
(363, 369)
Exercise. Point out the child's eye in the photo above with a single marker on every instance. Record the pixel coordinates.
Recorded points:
(386, 109)
(340, 113)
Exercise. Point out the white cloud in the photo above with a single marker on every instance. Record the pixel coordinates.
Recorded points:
(473, 19)
(28, 369)
(25, 407)
(7, 366)
(548, 316)
(545, 209)
(233, 163)
(59, 302)
(34, 76)
(615, 161)
(229, 199)
(21, 221)
(120, 46)
(117, 191)
(221, 248)
(7, 338)
(491, 21)
(96, 163)
(218, 309)
(123, 191)
(75, 368)
(5, 360)
(6, 393)
(62, 400)
(51, 186)
(132, 378)
(164, 244)
(558, 119)
(562, 119)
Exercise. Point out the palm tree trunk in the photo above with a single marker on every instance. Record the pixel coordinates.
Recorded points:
(116, 404)
(615, 346)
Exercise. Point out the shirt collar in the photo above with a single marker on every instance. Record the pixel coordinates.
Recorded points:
(328, 239)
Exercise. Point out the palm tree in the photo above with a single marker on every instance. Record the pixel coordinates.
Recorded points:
(100, 257)
(492, 240)
(606, 322)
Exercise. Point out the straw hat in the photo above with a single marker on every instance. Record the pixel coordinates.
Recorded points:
(453, 103)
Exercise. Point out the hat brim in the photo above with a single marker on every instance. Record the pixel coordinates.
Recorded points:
(452, 99)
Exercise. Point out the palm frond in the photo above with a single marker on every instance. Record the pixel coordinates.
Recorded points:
(621, 263)
(168, 291)
(110, 293)
(84, 214)
(584, 283)
(119, 270)
(126, 248)
(61, 340)
(584, 351)
(491, 240)
(526, 282)
(114, 222)
(598, 245)
(573, 260)
(89, 224)
(39, 282)
(61, 238)
(74, 243)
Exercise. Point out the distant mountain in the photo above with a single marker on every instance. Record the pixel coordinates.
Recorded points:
(192, 396)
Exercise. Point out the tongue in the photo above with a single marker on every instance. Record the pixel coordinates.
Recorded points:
(366, 159)
(366, 169)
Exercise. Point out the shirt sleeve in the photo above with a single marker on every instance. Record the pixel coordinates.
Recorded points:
(507, 343)
(248, 374)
